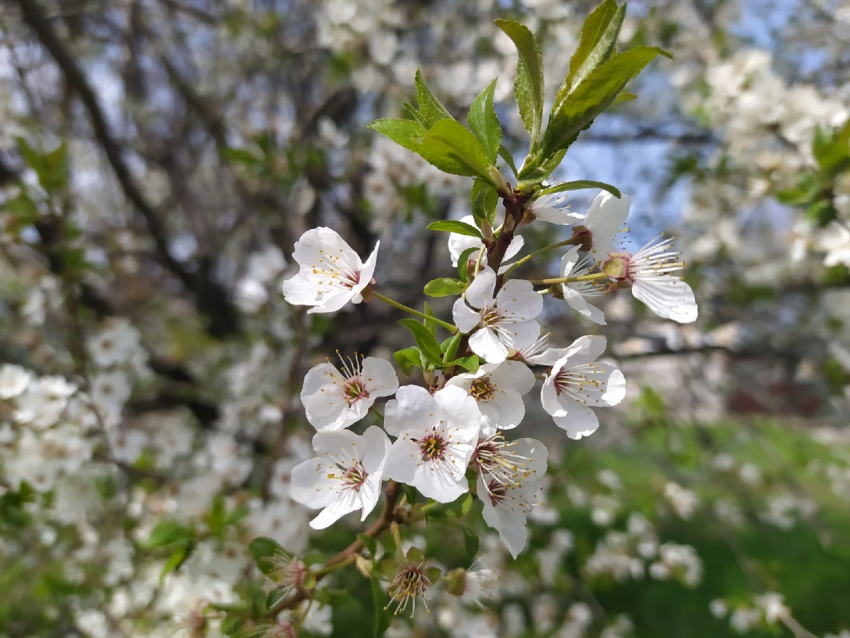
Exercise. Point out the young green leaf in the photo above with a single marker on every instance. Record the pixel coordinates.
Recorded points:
(450, 141)
(470, 543)
(463, 261)
(167, 532)
(580, 184)
(450, 346)
(444, 287)
(528, 87)
(424, 340)
(625, 96)
(380, 601)
(484, 122)
(431, 109)
(470, 363)
(505, 154)
(484, 199)
(411, 135)
(431, 326)
(451, 226)
(593, 96)
(598, 40)
(409, 358)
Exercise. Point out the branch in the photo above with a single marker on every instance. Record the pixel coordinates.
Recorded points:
(210, 296)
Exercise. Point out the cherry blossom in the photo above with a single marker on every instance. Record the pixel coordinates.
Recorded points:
(604, 219)
(436, 438)
(647, 272)
(506, 321)
(13, 380)
(550, 208)
(575, 292)
(498, 389)
(459, 243)
(346, 477)
(336, 399)
(509, 493)
(331, 272)
(576, 382)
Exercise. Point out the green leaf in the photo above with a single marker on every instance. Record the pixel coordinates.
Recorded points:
(408, 358)
(444, 287)
(175, 560)
(484, 122)
(216, 516)
(450, 346)
(431, 326)
(598, 40)
(528, 87)
(463, 260)
(580, 185)
(505, 154)
(451, 226)
(425, 341)
(263, 549)
(167, 532)
(467, 504)
(484, 199)
(470, 363)
(450, 141)
(828, 149)
(23, 209)
(624, 96)
(55, 174)
(593, 96)
(470, 542)
(240, 156)
(431, 109)
(406, 133)
(380, 600)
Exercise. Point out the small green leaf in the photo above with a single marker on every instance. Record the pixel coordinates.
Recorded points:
(430, 325)
(450, 346)
(426, 342)
(470, 542)
(409, 358)
(624, 96)
(598, 40)
(56, 171)
(175, 560)
(463, 261)
(470, 363)
(23, 209)
(485, 123)
(593, 96)
(406, 133)
(505, 154)
(451, 226)
(263, 550)
(450, 141)
(431, 109)
(528, 87)
(580, 185)
(444, 287)
(380, 600)
(484, 200)
(467, 504)
(240, 156)
(167, 532)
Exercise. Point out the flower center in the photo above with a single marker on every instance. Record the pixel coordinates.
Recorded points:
(496, 491)
(355, 476)
(482, 389)
(432, 447)
(495, 459)
(618, 267)
(577, 382)
(491, 317)
(354, 390)
(410, 582)
(337, 271)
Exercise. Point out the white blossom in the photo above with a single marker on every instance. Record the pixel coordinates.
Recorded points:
(334, 400)
(116, 343)
(346, 477)
(436, 438)
(604, 219)
(575, 292)
(576, 383)
(498, 389)
(331, 272)
(459, 243)
(44, 400)
(647, 273)
(505, 321)
(13, 380)
(551, 208)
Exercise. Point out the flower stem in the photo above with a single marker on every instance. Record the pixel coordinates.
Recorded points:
(572, 241)
(416, 313)
(566, 280)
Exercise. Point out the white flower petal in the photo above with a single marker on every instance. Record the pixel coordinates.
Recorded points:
(668, 297)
